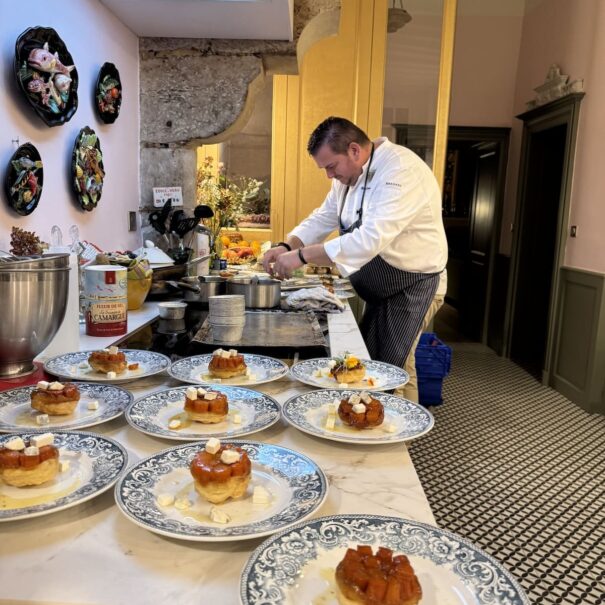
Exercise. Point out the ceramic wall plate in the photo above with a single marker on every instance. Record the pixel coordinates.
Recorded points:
(16, 413)
(249, 412)
(297, 488)
(24, 179)
(87, 169)
(74, 366)
(108, 93)
(46, 74)
(379, 376)
(194, 370)
(403, 420)
(297, 565)
(95, 464)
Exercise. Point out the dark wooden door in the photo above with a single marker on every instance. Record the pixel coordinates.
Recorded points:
(483, 212)
(537, 244)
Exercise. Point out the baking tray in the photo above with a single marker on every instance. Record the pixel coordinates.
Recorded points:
(273, 329)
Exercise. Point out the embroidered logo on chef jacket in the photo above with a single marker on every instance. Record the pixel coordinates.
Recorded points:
(392, 184)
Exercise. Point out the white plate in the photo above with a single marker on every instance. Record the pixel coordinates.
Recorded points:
(66, 366)
(308, 412)
(298, 487)
(95, 463)
(152, 414)
(297, 566)
(16, 413)
(386, 376)
(194, 370)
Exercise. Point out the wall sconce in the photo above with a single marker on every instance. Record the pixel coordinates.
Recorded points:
(397, 17)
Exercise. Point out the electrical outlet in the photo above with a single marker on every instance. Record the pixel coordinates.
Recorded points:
(573, 231)
(132, 220)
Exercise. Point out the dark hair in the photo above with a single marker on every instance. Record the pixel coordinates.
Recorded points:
(338, 133)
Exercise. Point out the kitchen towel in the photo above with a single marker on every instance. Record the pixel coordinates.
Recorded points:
(315, 299)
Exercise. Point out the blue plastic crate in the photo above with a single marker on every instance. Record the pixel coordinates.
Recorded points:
(433, 362)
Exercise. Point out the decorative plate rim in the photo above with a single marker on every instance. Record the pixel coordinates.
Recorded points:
(295, 373)
(105, 488)
(268, 542)
(95, 420)
(104, 70)
(230, 538)
(344, 439)
(285, 372)
(113, 381)
(28, 150)
(174, 436)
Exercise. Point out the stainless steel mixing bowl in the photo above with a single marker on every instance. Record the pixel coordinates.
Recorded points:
(33, 299)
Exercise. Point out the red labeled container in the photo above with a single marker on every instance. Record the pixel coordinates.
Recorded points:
(105, 300)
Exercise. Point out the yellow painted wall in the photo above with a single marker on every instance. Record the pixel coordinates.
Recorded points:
(340, 75)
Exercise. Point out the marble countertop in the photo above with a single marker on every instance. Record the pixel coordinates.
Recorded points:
(91, 554)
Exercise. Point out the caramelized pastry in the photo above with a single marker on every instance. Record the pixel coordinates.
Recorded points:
(221, 472)
(108, 360)
(361, 411)
(54, 398)
(381, 579)
(348, 369)
(227, 364)
(31, 463)
(206, 405)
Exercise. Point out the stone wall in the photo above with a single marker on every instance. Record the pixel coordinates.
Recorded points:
(201, 91)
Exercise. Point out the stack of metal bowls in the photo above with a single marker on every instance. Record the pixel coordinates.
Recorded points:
(227, 318)
(33, 299)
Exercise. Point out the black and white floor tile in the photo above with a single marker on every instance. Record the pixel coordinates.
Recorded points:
(519, 470)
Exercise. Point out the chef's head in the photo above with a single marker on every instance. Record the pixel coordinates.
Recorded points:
(340, 148)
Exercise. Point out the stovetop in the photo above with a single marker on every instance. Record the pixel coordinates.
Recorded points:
(174, 338)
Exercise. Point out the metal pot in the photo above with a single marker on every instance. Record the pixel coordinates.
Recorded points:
(199, 288)
(258, 293)
(176, 272)
(33, 299)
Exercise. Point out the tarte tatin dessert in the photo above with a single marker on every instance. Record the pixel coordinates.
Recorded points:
(361, 411)
(55, 398)
(348, 369)
(108, 360)
(206, 405)
(221, 472)
(376, 579)
(29, 463)
(227, 364)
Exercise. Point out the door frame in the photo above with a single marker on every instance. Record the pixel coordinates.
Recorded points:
(417, 136)
(563, 111)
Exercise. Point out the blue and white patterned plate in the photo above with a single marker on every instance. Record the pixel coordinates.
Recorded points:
(153, 413)
(67, 366)
(16, 413)
(297, 488)
(403, 420)
(386, 377)
(297, 565)
(95, 464)
(194, 370)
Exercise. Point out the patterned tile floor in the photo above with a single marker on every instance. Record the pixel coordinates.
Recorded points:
(519, 470)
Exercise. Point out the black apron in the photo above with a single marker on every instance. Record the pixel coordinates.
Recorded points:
(396, 300)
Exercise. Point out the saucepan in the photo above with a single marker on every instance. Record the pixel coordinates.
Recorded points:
(258, 293)
(199, 288)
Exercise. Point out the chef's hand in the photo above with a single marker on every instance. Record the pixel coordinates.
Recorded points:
(286, 264)
(270, 257)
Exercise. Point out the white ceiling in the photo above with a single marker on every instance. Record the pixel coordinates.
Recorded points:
(231, 19)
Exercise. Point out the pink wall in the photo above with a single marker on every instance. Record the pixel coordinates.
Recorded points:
(566, 32)
(93, 36)
(485, 64)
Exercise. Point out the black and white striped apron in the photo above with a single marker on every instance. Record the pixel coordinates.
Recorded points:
(396, 300)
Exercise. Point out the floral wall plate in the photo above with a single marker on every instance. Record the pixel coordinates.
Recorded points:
(108, 93)
(46, 74)
(87, 169)
(24, 179)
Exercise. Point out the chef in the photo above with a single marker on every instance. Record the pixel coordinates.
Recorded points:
(385, 204)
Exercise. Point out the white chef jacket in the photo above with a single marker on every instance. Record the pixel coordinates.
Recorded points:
(401, 216)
